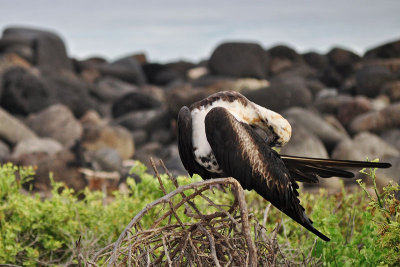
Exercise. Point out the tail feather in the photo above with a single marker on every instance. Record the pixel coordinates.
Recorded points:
(337, 162)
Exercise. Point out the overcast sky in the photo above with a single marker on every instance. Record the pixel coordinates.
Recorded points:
(184, 29)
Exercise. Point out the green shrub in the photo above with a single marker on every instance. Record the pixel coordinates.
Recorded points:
(364, 228)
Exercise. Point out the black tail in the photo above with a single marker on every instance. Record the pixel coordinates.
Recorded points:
(305, 169)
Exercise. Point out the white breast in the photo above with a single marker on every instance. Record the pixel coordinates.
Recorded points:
(200, 144)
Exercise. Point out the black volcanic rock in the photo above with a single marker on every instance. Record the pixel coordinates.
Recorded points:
(371, 78)
(23, 92)
(48, 49)
(239, 60)
(388, 50)
(127, 69)
(281, 95)
(343, 61)
(282, 51)
(133, 101)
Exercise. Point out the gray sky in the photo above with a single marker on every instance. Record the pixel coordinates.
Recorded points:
(185, 29)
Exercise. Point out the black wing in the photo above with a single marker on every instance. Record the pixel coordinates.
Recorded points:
(306, 169)
(185, 145)
(244, 155)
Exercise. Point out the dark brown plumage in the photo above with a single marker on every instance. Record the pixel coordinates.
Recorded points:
(242, 154)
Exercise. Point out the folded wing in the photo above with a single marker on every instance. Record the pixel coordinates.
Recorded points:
(244, 155)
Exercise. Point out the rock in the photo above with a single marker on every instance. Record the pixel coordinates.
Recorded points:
(281, 95)
(110, 89)
(392, 90)
(173, 161)
(197, 72)
(148, 120)
(328, 101)
(239, 60)
(12, 130)
(304, 143)
(281, 58)
(4, 152)
(140, 137)
(104, 159)
(384, 176)
(127, 69)
(363, 145)
(151, 149)
(74, 94)
(316, 60)
(371, 78)
(134, 101)
(59, 164)
(377, 121)
(47, 47)
(56, 122)
(160, 74)
(101, 135)
(328, 134)
(161, 136)
(24, 92)
(392, 137)
(36, 145)
(388, 50)
(11, 60)
(348, 110)
(343, 61)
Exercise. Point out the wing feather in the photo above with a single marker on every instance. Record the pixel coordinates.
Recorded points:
(244, 155)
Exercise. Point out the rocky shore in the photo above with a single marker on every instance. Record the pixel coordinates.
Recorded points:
(72, 116)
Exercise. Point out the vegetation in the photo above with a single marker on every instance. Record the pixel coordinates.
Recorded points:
(364, 225)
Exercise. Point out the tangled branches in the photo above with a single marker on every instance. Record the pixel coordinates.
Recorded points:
(220, 238)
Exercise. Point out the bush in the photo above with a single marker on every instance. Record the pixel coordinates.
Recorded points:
(363, 227)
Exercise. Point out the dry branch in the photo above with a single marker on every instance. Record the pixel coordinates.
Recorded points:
(221, 238)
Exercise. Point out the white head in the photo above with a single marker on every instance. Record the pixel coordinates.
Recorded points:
(277, 127)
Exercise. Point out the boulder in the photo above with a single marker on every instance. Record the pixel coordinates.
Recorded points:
(110, 89)
(392, 90)
(348, 110)
(328, 101)
(148, 120)
(47, 146)
(181, 96)
(392, 137)
(316, 60)
(343, 61)
(304, 143)
(47, 48)
(377, 121)
(56, 122)
(4, 152)
(24, 92)
(371, 78)
(282, 94)
(73, 93)
(328, 134)
(59, 164)
(127, 69)
(239, 60)
(173, 161)
(281, 58)
(364, 145)
(104, 159)
(13, 130)
(388, 50)
(134, 101)
(97, 134)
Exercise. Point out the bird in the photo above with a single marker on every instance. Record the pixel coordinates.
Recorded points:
(219, 136)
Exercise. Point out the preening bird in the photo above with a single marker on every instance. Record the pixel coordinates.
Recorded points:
(217, 137)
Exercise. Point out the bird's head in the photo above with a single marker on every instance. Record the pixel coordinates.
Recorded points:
(277, 128)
